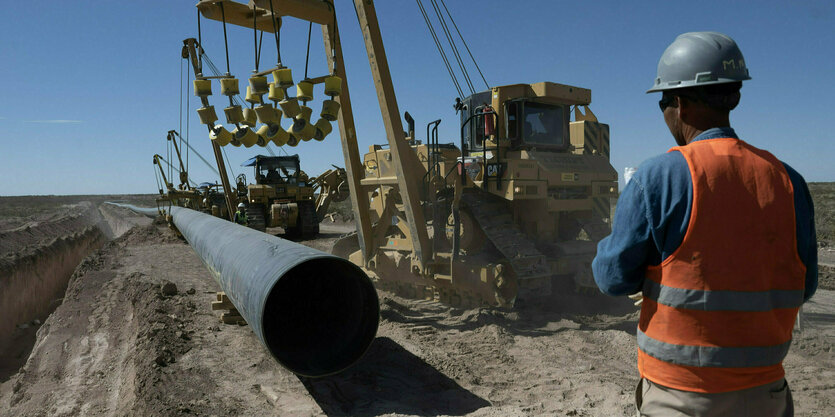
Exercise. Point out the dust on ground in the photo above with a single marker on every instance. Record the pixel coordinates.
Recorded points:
(119, 345)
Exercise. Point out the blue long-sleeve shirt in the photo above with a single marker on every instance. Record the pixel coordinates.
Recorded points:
(652, 215)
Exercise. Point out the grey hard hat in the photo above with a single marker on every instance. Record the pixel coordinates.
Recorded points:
(700, 58)
(241, 205)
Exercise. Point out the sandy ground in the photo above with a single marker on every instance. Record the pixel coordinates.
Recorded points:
(119, 346)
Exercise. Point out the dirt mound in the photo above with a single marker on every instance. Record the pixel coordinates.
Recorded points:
(25, 239)
(117, 220)
(165, 337)
(109, 347)
(149, 234)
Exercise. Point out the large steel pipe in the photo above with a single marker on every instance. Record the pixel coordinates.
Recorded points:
(316, 313)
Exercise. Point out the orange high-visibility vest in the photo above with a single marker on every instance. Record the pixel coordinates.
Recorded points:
(718, 313)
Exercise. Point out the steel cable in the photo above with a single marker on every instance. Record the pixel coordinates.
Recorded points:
(236, 99)
(452, 45)
(227, 161)
(307, 56)
(188, 118)
(225, 41)
(465, 44)
(202, 158)
(199, 41)
(180, 128)
(159, 182)
(440, 48)
(277, 34)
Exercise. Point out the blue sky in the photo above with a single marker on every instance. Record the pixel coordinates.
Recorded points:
(90, 88)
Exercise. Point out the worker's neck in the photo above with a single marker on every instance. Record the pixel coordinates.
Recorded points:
(704, 121)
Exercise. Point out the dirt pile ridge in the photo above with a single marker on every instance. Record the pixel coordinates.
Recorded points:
(24, 238)
(118, 345)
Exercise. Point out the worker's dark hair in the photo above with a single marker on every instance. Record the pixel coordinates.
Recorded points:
(719, 97)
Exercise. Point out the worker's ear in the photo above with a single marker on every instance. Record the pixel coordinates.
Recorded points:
(684, 107)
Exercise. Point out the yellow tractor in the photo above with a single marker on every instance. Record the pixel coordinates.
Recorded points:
(524, 205)
(214, 202)
(283, 195)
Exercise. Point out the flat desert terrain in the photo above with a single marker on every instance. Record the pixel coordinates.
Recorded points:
(99, 336)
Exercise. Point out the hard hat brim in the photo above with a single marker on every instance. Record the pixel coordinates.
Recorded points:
(686, 84)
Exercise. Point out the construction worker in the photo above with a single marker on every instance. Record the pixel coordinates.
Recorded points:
(716, 241)
(273, 176)
(240, 215)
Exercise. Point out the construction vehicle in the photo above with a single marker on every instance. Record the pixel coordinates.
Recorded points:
(187, 193)
(283, 195)
(182, 196)
(530, 205)
(518, 206)
(214, 202)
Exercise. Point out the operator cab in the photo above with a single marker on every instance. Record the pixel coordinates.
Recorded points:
(528, 121)
(532, 124)
(270, 170)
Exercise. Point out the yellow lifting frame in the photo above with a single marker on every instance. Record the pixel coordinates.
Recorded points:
(321, 12)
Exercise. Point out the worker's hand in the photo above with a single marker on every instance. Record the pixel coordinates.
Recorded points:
(638, 297)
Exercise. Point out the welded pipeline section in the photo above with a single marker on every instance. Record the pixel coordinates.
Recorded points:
(316, 313)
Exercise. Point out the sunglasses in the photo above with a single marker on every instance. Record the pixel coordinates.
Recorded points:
(667, 100)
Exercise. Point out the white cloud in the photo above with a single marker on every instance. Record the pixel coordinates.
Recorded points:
(53, 121)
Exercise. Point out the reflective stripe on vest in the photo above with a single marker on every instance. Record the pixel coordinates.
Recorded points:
(718, 313)
(722, 300)
(711, 356)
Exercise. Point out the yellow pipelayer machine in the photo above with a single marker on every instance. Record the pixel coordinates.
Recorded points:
(283, 195)
(514, 207)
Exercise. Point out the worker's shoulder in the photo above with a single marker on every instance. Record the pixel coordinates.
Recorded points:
(662, 171)
(795, 176)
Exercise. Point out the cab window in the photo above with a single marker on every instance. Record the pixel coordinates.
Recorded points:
(545, 124)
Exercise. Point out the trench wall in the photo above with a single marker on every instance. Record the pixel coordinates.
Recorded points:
(38, 260)
(35, 284)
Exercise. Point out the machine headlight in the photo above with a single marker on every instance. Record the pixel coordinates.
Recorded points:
(517, 190)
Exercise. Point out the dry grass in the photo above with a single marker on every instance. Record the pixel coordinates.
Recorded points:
(33, 205)
(823, 196)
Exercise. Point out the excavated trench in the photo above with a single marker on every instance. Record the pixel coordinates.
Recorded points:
(37, 260)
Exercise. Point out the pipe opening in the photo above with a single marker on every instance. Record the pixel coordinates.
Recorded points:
(321, 317)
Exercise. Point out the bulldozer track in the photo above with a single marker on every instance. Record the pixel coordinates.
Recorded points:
(530, 266)
(307, 225)
(435, 295)
(255, 217)
(309, 220)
